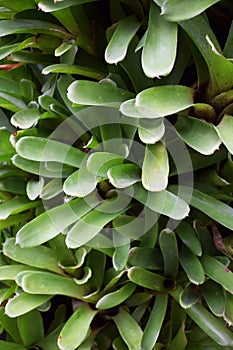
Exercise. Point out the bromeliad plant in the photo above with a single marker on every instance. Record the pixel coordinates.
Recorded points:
(116, 175)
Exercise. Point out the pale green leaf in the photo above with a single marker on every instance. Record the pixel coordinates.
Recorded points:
(155, 168)
(151, 131)
(26, 118)
(80, 183)
(192, 130)
(123, 175)
(164, 100)
(224, 130)
(159, 50)
(96, 94)
(78, 324)
(118, 45)
(179, 10)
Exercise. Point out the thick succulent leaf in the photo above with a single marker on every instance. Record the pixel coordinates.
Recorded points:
(164, 100)
(14, 206)
(129, 329)
(80, 183)
(189, 238)
(151, 131)
(9, 272)
(6, 345)
(145, 257)
(189, 297)
(215, 270)
(51, 189)
(215, 297)
(50, 6)
(169, 249)
(99, 163)
(42, 150)
(96, 94)
(192, 130)
(79, 324)
(31, 327)
(159, 50)
(31, 26)
(118, 45)
(41, 257)
(34, 188)
(46, 169)
(38, 282)
(92, 223)
(191, 266)
(224, 129)
(25, 119)
(179, 10)
(49, 224)
(213, 327)
(123, 175)
(147, 279)
(155, 168)
(163, 202)
(116, 298)
(74, 69)
(211, 206)
(154, 324)
(23, 303)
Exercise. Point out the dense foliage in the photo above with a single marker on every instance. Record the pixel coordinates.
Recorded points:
(116, 174)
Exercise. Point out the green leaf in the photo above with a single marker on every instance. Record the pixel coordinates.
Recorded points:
(41, 257)
(10, 326)
(154, 324)
(179, 10)
(164, 100)
(42, 150)
(155, 168)
(9, 272)
(48, 169)
(51, 190)
(99, 163)
(191, 266)
(211, 206)
(74, 69)
(145, 257)
(169, 249)
(51, 223)
(5, 345)
(188, 236)
(118, 45)
(26, 118)
(191, 130)
(159, 50)
(129, 330)
(215, 270)
(147, 279)
(78, 324)
(151, 130)
(180, 340)
(80, 183)
(34, 188)
(224, 132)
(116, 298)
(96, 94)
(123, 175)
(16, 6)
(31, 26)
(163, 202)
(215, 297)
(14, 206)
(31, 327)
(189, 297)
(23, 303)
(49, 6)
(92, 223)
(215, 329)
(38, 282)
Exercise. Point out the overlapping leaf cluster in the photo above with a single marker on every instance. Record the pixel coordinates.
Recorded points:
(104, 245)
